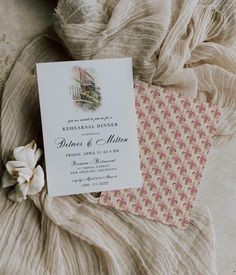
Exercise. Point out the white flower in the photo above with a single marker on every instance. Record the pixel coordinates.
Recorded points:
(22, 173)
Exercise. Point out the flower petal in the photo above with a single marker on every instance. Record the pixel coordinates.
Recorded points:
(13, 164)
(32, 145)
(25, 155)
(24, 174)
(7, 180)
(37, 155)
(37, 182)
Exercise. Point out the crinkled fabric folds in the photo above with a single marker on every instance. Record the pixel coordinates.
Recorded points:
(186, 45)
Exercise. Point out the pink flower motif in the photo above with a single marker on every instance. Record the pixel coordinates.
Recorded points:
(117, 193)
(175, 108)
(196, 123)
(145, 150)
(166, 165)
(152, 186)
(168, 216)
(187, 180)
(206, 144)
(201, 133)
(141, 140)
(142, 191)
(190, 113)
(161, 154)
(165, 139)
(157, 196)
(178, 211)
(143, 165)
(183, 222)
(137, 104)
(170, 98)
(178, 185)
(140, 87)
(152, 212)
(155, 92)
(216, 113)
(185, 103)
(131, 197)
(176, 134)
(191, 164)
(172, 201)
(188, 205)
(151, 160)
(156, 170)
(192, 190)
(197, 174)
(150, 109)
(196, 149)
(181, 144)
(191, 139)
(186, 129)
(205, 118)
(156, 144)
(161, 128)
(121, 202)
(146, 176)
(145, 124)
(171, 149)
(160, 103)
(171, 175)
(176, 159)
(201, 108)
(211, 128)
(162, 180)
(166, 190)
(182, 170)
(150, 134)
(155, 119)
(146, 201)
(145, 98)
(137, 207)
(162, 206)
(186, 154)
(140, 114)
(170, 123)
(202, 159)
(182, 195)
(180, 118)
(106, 197)
(165, 113)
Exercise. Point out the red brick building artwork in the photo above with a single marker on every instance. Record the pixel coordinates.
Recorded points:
(84, 91)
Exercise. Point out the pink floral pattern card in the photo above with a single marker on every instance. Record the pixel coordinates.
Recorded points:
(175, 135)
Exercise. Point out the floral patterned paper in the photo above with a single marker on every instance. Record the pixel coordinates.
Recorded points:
(175, 136)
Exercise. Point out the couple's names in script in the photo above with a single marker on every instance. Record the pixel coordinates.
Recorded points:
(94, 123)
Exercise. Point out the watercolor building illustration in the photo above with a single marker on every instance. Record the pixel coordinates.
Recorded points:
(85, 93)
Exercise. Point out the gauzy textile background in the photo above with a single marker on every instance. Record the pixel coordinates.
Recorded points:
(187, 45)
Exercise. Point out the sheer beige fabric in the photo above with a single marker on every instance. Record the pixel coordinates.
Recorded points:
(188, 45)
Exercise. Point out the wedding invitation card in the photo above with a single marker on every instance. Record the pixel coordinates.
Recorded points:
(89, 126)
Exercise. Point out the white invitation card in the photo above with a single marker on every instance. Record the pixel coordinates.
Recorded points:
(89, 126)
